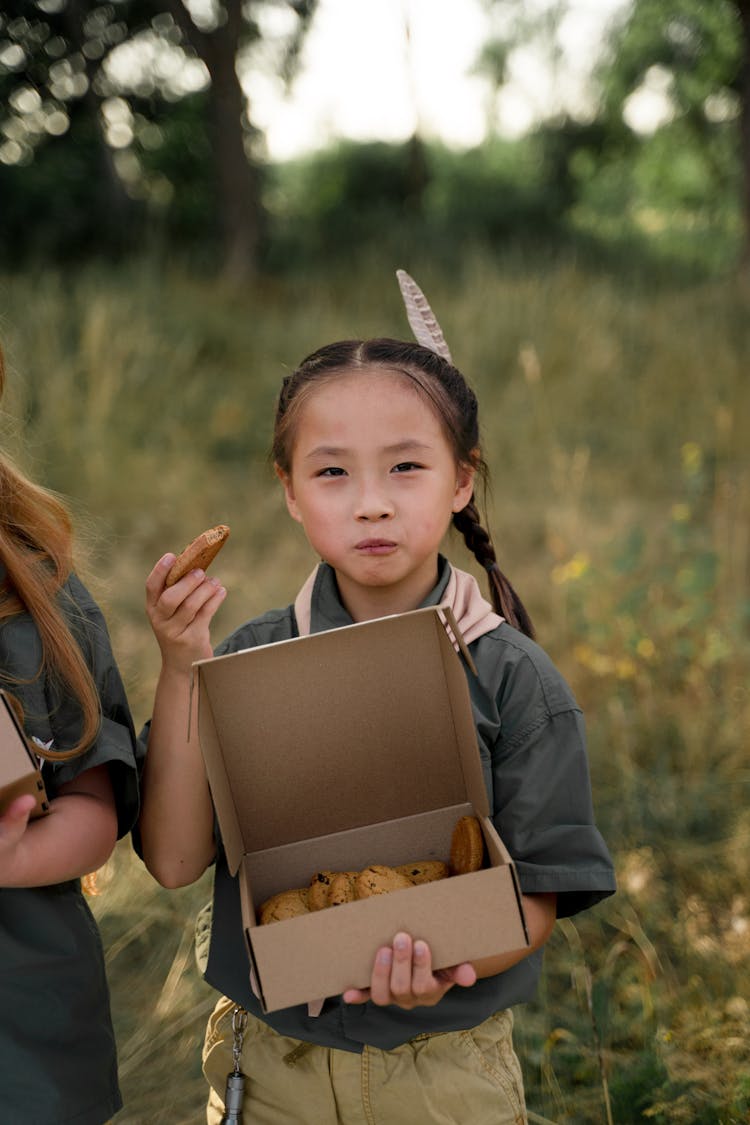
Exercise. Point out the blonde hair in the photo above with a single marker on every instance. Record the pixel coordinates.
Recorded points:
(36, 550)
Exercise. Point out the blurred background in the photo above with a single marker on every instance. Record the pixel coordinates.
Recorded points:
(194, 195)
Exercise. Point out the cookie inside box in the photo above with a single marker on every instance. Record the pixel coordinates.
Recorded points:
(426, 836)
(464, 917)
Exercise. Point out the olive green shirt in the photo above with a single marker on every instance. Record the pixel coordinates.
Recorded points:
(58, 1062)
(532, 745)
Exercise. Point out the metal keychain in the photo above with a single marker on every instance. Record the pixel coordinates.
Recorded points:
(235, 1090)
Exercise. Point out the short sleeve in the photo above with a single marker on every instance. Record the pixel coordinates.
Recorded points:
(116, 745)
(542, 802)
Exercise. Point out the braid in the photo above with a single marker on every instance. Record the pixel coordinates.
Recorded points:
(504, 598)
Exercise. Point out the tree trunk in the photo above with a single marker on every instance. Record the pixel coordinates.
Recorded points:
(237, 180)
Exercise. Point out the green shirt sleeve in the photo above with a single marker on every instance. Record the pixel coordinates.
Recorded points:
(533, 745)
(52, 716)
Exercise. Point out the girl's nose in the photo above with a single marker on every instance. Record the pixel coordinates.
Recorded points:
(373, 504)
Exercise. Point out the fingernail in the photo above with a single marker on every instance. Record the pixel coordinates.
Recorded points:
(167, 560)
(420, 949)
(400, 942)
(385, 956)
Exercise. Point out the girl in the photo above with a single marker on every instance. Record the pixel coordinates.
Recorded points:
(376, 446)
(57, 1049)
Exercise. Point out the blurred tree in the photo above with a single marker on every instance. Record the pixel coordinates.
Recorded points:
(51, 58)
(697, 57)
(218, 42)
(683, 63)
(58, 87)
(571, 133)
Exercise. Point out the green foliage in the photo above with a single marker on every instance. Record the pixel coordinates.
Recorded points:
(346, 196)
(698, 44)
(678, 186)
(407, 196)
(175, 172)
(595, 185)
(58, 206)
(495, 195)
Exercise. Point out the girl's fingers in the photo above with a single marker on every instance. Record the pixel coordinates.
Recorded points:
(423, 981)
(380, 981)
(197, 604)
(403, 975)
(194, 597)
(464, 975)
(157, 577)
(181, 614)
(401, 968)
(356, 995)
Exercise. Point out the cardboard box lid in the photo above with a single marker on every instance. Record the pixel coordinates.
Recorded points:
(337, 730)
(16, 758)
(19, 773)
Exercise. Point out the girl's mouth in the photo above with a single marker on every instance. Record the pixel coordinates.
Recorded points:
(375, 546)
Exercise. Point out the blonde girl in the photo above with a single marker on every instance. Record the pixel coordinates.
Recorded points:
(57, 1051)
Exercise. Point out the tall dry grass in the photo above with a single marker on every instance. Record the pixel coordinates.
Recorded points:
(616, 420)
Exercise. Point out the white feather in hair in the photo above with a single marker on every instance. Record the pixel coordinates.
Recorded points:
(422, 319)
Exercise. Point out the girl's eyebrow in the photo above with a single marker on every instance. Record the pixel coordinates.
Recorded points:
(409, 445)
(325, 451)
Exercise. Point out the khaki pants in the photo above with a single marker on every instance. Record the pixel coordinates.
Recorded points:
(450, 1078)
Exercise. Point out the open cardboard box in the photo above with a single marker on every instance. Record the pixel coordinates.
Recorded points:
(19, 773)
(339, 750)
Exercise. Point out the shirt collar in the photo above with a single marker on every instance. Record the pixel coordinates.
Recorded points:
(328, 612)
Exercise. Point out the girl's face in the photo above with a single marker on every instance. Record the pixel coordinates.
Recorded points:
(374, 483)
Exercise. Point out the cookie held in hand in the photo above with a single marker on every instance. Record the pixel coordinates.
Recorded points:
(199, 554)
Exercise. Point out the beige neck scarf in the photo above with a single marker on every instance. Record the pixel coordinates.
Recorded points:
(474, 615)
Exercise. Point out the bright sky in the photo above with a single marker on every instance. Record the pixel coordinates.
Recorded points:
(363, 79)
(379, 69)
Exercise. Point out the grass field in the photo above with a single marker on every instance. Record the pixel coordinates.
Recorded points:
(616, 422)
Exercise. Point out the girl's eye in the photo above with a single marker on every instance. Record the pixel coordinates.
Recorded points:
(405, 467)
(332, 471)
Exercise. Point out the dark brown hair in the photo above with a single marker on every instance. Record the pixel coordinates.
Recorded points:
(455, 405)
(36, 548)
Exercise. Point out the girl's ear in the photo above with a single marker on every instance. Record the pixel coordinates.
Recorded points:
(286, 483)
(464, 486)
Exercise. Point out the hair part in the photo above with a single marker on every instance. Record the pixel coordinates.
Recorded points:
(36, 551)
(454, 404)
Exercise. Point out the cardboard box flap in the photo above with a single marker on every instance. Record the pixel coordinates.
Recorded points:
(337, 730)
(19, 772)
(16, 758)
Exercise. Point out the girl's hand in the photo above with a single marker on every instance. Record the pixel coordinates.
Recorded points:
(180, 615)
(12, 829)
(402, 975)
